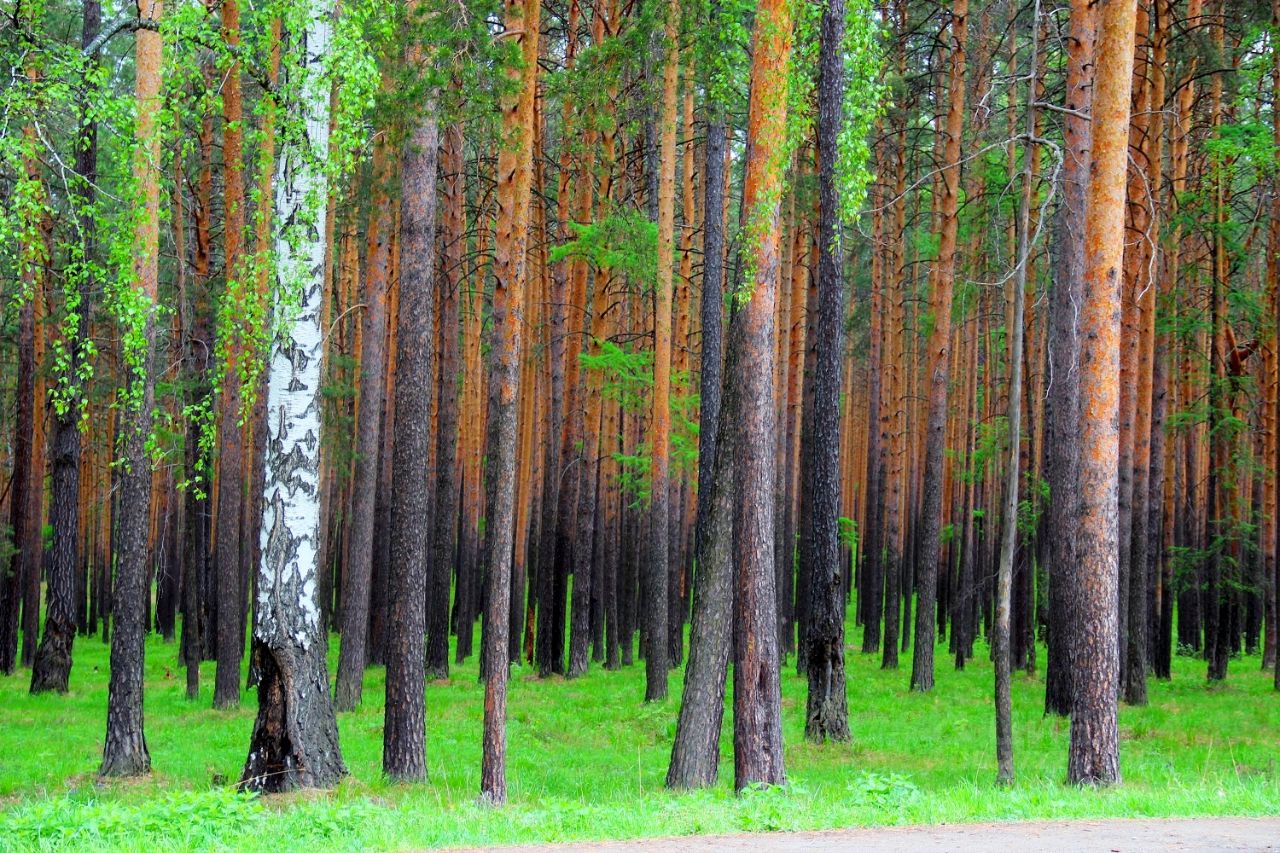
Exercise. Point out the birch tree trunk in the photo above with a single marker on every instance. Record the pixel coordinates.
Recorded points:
(295, 737)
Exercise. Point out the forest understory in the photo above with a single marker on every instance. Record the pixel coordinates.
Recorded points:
(585, 767)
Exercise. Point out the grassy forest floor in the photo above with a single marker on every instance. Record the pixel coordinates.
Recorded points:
(587, 761)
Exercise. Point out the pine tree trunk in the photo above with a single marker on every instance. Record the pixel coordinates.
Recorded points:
(445, 517)
(938, 364)
(1063, 405)
(1094, 751)
(1009, 540)
(373, 372)
(232, 333)
(695, 753)
(521, 19)
(757, 712)
(403, 744)
(827, 713)
(125, 748)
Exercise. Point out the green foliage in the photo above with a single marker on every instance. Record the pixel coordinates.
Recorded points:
(74, 823)
(587, 760)
(628, 380)
(884, 790)
(866, 97)
(625, 243)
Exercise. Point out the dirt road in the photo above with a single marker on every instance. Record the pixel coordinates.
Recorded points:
(1104, 836)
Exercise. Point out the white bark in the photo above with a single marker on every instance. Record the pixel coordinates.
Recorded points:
(288, 608)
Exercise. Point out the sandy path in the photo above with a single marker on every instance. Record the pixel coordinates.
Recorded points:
(1121, 836)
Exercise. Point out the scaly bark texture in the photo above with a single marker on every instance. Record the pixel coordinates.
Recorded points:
(939, 360)
(125, 747)
(827, 712)
(1094, 756)
(232, 331)
(757, 701)
(1066, 296)
(695, 753)
(521, 20)
(295, 736)
(403, 737)
(657, 661)
(51, 664)
(445, 520)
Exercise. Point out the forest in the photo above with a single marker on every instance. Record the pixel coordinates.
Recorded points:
(509, 420)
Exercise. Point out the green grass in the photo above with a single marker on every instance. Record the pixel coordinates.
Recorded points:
(587, 761)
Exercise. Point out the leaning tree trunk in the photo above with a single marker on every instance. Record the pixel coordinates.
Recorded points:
(295, 737)
(757, 701)
(125, 749)
(827, 713)
(695, 754)
(1094, 756)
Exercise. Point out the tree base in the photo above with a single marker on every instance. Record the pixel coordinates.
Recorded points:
(51, 669)
(295, 737)
(125, 757)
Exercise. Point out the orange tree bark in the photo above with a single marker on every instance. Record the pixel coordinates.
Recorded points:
(1094, 756)
(757, 712)
(125, 748)
(657, 661)
(938, 366)
(521, 20)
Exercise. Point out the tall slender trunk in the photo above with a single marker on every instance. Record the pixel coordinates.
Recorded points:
(656, 581)
(373, 381)
(51, 661)
(1009, 541)
(521, 20)
(403, 744)
(711, 358)
(939, 355)
(125, 748)
(827, 712)
(232, 333)
(757, 711)
(1066, 298)
(1094, 756)
(445, 517)
(295, 736)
